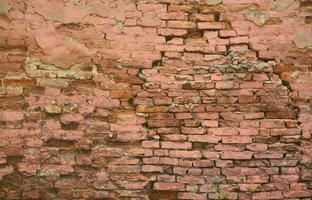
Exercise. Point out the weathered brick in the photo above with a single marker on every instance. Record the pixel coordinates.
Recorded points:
(190, 180)
(236, 139)
(244, 155)
(204, 138)
(54, 83)
(212, 25)
(189, 195)
(152, 168)
(185, 154)
(192, 131)
(169, 186)
(258, 179)
(19, 82)
(267, 195)
(203, 163)
(168, 161)
(172, 32)
(176, 145)
(182, 8)
(150, 144)
(285, 178)
(11, 116)
(123, 168)
(181, 24)
(163, 123)
(281, 115)
(297, 194)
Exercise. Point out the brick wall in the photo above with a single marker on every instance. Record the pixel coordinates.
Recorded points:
(155, 99)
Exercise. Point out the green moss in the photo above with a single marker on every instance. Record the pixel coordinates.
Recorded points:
(120, 25)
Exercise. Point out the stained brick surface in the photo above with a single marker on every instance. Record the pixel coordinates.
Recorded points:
(155, 99)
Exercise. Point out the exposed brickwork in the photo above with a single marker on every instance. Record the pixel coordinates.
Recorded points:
(155, 99)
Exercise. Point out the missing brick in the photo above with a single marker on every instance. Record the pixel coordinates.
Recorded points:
(195, 33)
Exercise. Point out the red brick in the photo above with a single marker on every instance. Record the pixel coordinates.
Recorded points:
(183, 116)
(211, 172)
(285, 132)
(224, 85)
(176, 145)
(244, 155)
(239, 40)
(281, 115)
(190, 180)
(212, 25)
(169, 186)
(161, 152)
(210, 123)
(249, 187)
(204, 138)
(189, 195)
(285, 178)
(249, 131)
(182, 8)
(267, 195)
(298, 186)
(290, 170)
(172, 32)
(123, 168)
(150, 144)
(19, 82)
(168, 161)
(258, 179)
(181, 24)
(152, 7)
(223, 131)
(162, 123)
(166, 178)
(192, 131)
(106, 152)
(180, 170)
(152, 168)
(268, 155)
(67, 135)
(275, 186)
(175, 137)
(236, 139)
(297, 194)
(132, 185)
(203, 163)
(254, 115)
(257, 147)
(205, 17)
(121, 94)
(272, 124)
(11, 116)
(173, 16)
(211, 154)
(185, 154)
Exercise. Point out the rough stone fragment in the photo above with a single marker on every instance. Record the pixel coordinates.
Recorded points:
(257, 17)
(283, 4)
(53, 109)
(303, 40)
(213, 2)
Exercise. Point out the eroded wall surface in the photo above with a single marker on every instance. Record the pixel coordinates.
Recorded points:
(155, 99)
